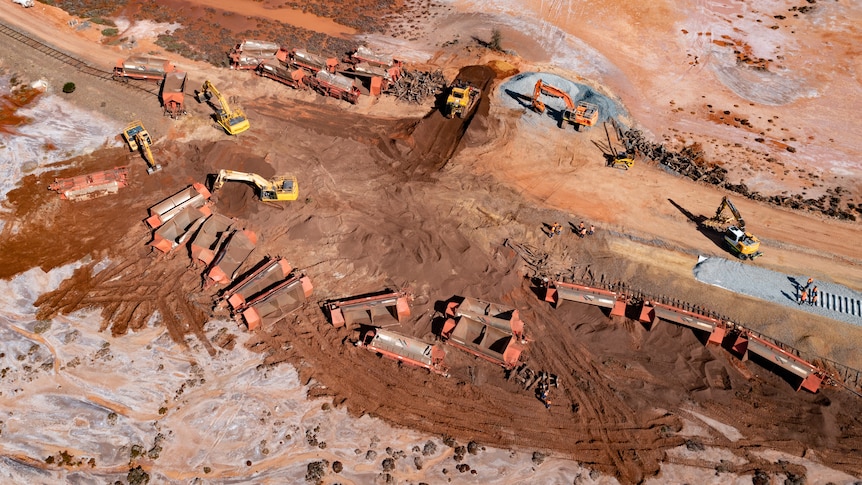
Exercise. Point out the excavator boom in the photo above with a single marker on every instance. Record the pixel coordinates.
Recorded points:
(278, 188)
(744, 244)
(138, 138)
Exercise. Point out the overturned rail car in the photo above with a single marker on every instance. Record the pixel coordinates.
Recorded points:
(404, 349)
(487, 330)
(195, 195)
(380, 310)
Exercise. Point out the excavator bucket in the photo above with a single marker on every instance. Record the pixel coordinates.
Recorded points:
(382, 310)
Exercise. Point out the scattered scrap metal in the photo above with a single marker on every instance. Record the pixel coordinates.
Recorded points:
(416, 86)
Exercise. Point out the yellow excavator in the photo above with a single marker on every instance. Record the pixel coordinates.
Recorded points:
(728, 219)
(139, 139)
(277, 189)
(463, 97)
(233, 121)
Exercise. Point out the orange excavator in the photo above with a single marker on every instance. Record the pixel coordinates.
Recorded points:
(586, 114)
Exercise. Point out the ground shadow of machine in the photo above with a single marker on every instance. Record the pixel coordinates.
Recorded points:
(714, 236)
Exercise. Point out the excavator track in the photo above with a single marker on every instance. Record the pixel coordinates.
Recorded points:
(81, 66)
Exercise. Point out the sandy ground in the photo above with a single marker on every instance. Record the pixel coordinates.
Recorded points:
(384, 205)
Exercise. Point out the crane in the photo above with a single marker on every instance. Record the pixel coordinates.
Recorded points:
(728, 219)
(233, 121)
(278, 188)
(138, 138)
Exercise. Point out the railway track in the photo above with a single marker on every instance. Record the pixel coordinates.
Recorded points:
(79, 65)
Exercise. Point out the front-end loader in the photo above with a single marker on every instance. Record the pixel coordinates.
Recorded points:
(139, 138)
(277, 189)
(728, 220)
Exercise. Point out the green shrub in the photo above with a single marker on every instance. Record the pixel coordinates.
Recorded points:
(69, 88)
(110, 32)
(101, 21)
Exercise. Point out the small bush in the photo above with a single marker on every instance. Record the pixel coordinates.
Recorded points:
(101, 21)
(496, 40)
(110, 32)
(69, 88)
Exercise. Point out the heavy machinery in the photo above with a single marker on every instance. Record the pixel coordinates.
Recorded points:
(617, 158)
(139, 139)
(278, 188)
(728, 220)
(233, 121)
(586, 114)
(463, 97)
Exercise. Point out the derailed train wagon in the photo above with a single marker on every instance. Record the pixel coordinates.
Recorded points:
(487, 330)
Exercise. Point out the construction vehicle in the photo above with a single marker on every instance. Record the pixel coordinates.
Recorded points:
(142, 68)
(727, 219)
(586, 114)
(617, 158)
(139, 139)
(463, 97)
(542, 88)
(233, 121)
(278, 188)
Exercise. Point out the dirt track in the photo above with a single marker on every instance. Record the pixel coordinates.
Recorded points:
(381, 207)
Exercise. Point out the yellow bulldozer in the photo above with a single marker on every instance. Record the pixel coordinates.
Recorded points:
(233, 120)
(728, 220)
(139, 138)
(463, 97)
(277, 189)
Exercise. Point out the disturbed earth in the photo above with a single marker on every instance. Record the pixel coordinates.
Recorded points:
(396, 196)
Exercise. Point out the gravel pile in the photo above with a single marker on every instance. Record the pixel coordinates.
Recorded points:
(836, 301)
(517, 93)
